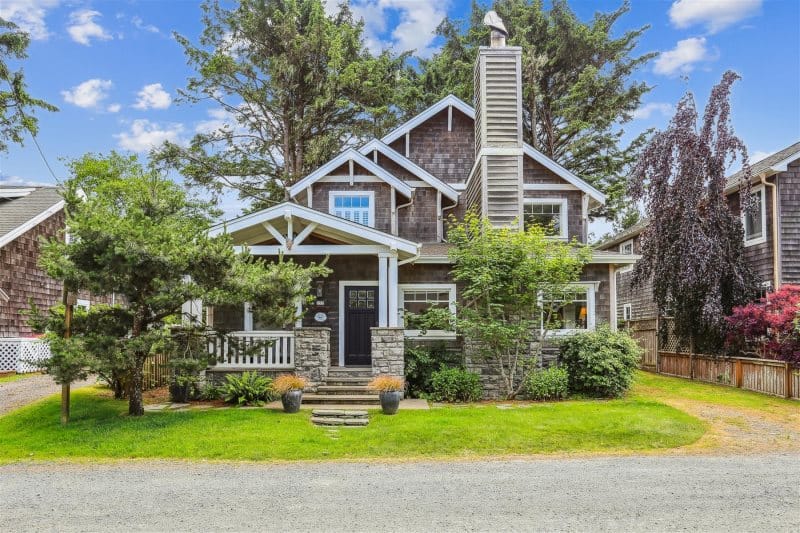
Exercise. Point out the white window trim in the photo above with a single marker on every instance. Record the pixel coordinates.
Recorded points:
(333, 194)
(83, 304)
(763, 238)
(627, 268)
(430, 334)
(627, 312)
(563, 202)
(591, 312)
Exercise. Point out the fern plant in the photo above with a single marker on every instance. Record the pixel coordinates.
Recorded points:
(250, 388)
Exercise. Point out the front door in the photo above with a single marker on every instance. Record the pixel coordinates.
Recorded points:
(360, 314)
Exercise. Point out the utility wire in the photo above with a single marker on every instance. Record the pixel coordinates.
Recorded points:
(41, 154)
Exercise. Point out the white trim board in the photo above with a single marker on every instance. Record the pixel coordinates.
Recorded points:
(355, 157)
(759, 189)
(32, 223)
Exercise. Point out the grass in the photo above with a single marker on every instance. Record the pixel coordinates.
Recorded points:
(14, 377)
(656, 387)
(100, 429)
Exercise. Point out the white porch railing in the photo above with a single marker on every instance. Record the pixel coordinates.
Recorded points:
(243, 352)
(21, 355)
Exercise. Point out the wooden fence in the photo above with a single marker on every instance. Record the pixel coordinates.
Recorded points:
(156, 373)
(646, 334)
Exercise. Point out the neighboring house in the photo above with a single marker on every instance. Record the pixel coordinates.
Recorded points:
(378, 212)
(772, 236)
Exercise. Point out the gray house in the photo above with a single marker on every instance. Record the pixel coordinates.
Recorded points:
(378, 212)
(771, 232)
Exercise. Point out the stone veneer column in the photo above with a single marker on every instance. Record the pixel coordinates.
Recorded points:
(312, 354)
(388, 350)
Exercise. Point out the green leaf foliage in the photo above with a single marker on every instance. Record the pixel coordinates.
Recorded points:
(551, 383)
(422, 360)
(251, 388)
(577, 82)
(455, 385)
(600, 363)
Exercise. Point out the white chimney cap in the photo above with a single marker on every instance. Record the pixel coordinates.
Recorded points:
(493, 20)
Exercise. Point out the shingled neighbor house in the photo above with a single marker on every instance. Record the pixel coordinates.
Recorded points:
(772, 233)
(27, 214)
(378, 212)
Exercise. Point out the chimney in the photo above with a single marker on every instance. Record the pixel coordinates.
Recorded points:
(495, 187)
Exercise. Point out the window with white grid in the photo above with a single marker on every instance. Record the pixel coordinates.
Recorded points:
(356, 207)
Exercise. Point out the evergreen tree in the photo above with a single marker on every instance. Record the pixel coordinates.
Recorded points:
(576, 81)
(295, 85)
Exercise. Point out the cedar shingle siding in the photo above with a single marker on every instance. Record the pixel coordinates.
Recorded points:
(789, 200)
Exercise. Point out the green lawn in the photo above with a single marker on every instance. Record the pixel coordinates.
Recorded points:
(100, 429)
(15, 377)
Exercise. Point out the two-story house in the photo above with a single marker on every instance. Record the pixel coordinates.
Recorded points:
(771, 232)
(379, 213)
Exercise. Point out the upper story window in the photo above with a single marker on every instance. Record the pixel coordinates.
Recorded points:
(357, 207)
(626, 247)
(755, 220)
(550, 213)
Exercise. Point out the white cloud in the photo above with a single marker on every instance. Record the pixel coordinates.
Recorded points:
(418, 20)
(144, 135)
(219, 118)
(88, 94)
(153, 96)
(114, 108)
(29, 15)
(647, 110)
(22, 182)
(139, 23)
(683, 57)
(83, 28)
(714, 14)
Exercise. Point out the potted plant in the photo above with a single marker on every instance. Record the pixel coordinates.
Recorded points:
(390, 389)
(290, 387)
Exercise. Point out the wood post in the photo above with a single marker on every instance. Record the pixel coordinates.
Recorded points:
(788, 378)
(737, 371)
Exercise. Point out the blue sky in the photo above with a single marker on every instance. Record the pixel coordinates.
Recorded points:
(113, 67)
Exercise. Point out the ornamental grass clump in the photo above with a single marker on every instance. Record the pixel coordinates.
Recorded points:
(288, 382)
(386, 384)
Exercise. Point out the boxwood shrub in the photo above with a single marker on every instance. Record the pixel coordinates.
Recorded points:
(600, 363)
(549, 384)
(455, 385)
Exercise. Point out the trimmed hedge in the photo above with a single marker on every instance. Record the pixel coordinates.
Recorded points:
(455, 385)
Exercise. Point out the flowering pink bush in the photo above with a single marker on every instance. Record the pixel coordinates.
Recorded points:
(769, 326)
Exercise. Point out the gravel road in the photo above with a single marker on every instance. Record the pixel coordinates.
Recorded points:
(15, 394)
(730, 493)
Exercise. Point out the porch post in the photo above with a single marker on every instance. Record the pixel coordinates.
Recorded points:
(299, 322)
(382, 290)
(393, 291)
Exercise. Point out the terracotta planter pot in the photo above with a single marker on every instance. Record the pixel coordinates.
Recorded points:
(390, 401)
(291, 401)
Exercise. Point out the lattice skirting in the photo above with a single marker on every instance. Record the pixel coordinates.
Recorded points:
(22, 355)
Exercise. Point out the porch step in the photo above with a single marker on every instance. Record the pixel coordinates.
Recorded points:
(339, 417)
(341, 399)
(350, 372)
(343, 389)
(348, 381)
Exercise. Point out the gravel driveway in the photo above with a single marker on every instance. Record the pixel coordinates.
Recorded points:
(731, 493)
(15, 394)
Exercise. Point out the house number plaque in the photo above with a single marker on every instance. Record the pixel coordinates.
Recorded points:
(320, 317)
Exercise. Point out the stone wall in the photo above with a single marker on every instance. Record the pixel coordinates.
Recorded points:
(494, 387)
(312, 354)
(387, 351)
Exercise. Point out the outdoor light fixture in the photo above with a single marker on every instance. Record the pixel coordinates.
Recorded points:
(320, 292)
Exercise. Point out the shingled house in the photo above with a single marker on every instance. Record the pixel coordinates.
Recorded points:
(771, 232)
(378, 212)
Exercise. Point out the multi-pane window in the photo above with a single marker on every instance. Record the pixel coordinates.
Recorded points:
(627, 312)
(353, 206)
(754, 219)
(551, 215)
(568, 311)
(416, 299)
(626, 247)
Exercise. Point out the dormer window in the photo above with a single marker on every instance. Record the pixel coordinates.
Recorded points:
(550, 213)
(755, 220)
(356, 207)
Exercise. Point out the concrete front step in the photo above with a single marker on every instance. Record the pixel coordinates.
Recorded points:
(341, 399)
(347, 371)
(343, 389)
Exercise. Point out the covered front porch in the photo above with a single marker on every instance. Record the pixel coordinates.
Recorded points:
(354, 319)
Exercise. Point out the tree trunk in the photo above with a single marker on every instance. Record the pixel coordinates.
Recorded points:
(64, 403)
(135, 402)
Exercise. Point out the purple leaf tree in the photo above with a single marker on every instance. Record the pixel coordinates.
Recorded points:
(692, 248)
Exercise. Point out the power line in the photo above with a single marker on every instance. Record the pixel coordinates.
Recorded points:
(41, 154)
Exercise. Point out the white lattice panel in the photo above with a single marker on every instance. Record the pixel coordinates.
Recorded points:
(9, 353)
(22, 355)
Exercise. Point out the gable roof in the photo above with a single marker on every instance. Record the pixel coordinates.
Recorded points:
(20, 213)
(403, 161)
(623, 235)
(345, 229)
(530, 151)
(355, 156)
(773, 163)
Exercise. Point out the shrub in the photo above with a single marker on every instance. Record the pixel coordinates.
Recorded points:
(386, 384)
(455, 385)
(286, 382)
(600, 363)
(250, 388)
(548, 384)
(422, 361)
(210, 392)
(768, 326)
